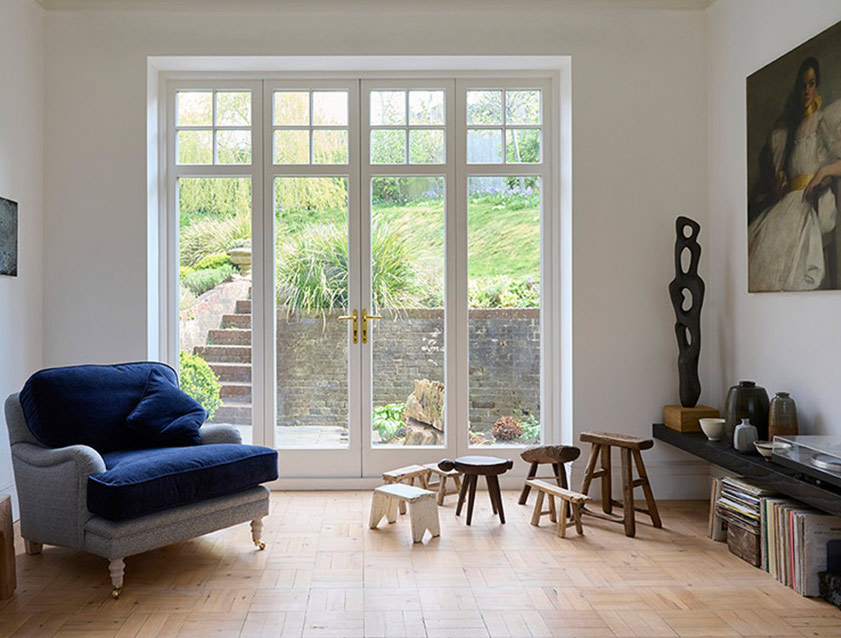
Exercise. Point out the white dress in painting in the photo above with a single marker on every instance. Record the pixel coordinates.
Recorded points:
(785, 243)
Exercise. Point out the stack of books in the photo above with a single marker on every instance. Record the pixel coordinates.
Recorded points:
(739, 503)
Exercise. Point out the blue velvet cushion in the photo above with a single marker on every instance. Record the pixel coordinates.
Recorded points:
(165, 415)
(88, 404)
(140, 482)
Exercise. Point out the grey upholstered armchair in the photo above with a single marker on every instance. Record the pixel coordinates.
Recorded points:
(56, 484)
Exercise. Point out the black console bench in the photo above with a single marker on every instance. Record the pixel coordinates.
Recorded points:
(770, 475)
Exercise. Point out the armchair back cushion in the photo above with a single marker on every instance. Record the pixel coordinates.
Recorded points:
(89, 404)
(166, 415)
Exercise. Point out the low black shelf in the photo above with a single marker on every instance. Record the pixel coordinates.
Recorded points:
(767, 474)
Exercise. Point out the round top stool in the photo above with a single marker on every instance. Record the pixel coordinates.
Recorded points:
(473, 467)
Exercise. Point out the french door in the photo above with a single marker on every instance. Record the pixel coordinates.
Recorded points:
(394, 306)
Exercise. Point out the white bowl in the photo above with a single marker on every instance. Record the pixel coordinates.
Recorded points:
(765, 448)
(713, 428)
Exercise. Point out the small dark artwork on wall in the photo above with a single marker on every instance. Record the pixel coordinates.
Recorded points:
(8, 237)
(794, 169)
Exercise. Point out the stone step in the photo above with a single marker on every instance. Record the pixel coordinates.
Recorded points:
(236, 321)
(232, 372)
(243, 306)
(238, 390)
(224, 354)
(233, 413)
(229, 337)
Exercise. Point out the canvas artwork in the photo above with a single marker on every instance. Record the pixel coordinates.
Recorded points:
(8, 237)
(794, 169)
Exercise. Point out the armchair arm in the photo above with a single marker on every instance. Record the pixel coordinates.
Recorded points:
(52, 490)
(211, 433)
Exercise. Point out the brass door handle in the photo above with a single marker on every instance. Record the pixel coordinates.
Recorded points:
(365, 317)
(354, 317)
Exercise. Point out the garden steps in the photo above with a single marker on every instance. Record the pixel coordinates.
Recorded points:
(236, 321)
(227, 372)
(229, 337)
(224, 354)
(235, 391)
(243, 306)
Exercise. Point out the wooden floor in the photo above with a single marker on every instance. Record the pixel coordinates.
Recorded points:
(325, 574)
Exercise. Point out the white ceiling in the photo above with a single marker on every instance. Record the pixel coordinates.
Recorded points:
(240, 5)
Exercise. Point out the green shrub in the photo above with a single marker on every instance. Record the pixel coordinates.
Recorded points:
(501, 291)
(183, 271)
(531, 429)
(200, 281)
(388, 420)
(198, 380)
(213, 261)
(312, 269)
(214, 235)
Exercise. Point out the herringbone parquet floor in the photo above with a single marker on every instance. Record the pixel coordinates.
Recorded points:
(325, 574)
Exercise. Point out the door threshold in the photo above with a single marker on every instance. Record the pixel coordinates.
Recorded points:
(291, 484)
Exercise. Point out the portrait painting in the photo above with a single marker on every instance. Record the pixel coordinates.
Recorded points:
(794, 169)
(8, 237)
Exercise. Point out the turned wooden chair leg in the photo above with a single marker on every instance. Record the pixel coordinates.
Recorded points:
(32, 548)
(646, 488)
(524, 495)
(117, 568)
(257, 533)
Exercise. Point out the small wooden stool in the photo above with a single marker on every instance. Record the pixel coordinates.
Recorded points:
(438, 479)
(554, 455)
(473, 467)
(571, 502)
(407, 475)
(423, 510)
(628, 446)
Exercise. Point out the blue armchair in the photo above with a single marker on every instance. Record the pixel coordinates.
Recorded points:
(114, 460)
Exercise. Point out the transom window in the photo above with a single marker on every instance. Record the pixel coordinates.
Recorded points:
(213, 127)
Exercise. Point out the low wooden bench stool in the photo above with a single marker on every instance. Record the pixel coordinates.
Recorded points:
(554, 455)
(438, 479)
(423, 511)
(571, 503)
(407, 475)
(629, 446)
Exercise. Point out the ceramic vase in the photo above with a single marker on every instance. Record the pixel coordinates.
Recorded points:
(782, 416)
(746, 400)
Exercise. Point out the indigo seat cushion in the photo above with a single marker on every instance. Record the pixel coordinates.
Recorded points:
(165, 415)
(89, 404)
(140, 482)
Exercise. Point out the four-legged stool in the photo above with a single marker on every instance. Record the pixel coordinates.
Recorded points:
(407, 475)
(423, 511)
(473, 467)
(441, 483)
(628, 446)
(554, 455)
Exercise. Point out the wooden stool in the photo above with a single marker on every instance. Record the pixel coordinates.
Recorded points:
(473, 467)
(554, 455)
(407, 475)
(438, 478)
(628, 446)
(423, 511)
(571, 502)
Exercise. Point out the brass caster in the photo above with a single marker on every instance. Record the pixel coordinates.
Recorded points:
(115, 593)
(260, 545)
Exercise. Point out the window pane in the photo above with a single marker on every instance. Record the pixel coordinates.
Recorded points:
(484, 107)
(522, 107)
(388, 107)
(522, 146)
(233, 147)
(291, 108)
(194, 108)
(215, 296)
(426, 146)
(426, 107)
(292, 147)
(503, 251)
(329, 108)
(329, 147)
(311, 222)
(233, 109)
(388, 146)
(484, 146)
(195, 147)
(407, 270)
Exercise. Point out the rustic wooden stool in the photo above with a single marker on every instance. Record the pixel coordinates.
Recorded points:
(423, 511)
(438, 479)
(571, 503)
(554, 455)
(628, 446)
(407, 475)
(473, 467)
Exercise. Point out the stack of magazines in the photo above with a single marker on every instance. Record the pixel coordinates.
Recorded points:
(739, 503)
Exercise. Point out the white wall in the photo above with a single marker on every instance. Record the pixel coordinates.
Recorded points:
(21, 179)
(639, 160)
(785, 341)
